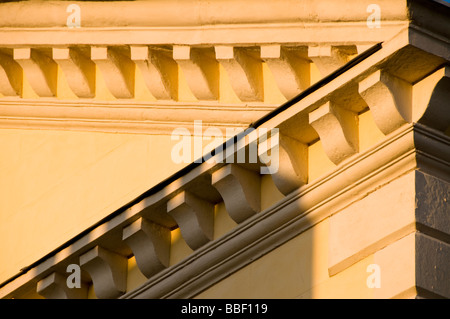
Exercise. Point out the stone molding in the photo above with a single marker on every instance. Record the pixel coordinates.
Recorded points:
(54, 286)
(160, 77)
(190, 13)
(117, 69)
(240, 189)
(194, 216)
(80, 68)
(150, 243)
(338, 131)
(289, 66)
(160, 117)
(292, 172)
(159, 70)
(159, 67)
(157, 41)
(158, 64)
(40, 70)
(108, 271)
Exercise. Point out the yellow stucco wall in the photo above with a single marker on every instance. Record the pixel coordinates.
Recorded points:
(55, 184)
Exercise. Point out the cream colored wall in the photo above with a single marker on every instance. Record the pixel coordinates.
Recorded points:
(58, 183)
(55, 184)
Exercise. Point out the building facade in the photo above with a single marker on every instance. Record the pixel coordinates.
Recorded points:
(225, 149)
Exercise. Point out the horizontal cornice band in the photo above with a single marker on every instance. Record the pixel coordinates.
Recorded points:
(155, 118)
(190, 12)
(290, 33)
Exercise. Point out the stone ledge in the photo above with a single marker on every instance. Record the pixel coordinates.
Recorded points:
(191, 12)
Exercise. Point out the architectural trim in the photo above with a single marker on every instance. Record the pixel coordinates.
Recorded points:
(191, 13)
(240, 189)
(10, 76)
(338, 130)
(150, 243)
(159, 69)
(292, 166)
(244, 67)
(201, 70)
(289, 66)
(160, 117)
(79, 70)
(247, 34)
(194, 216)
(117, 69)
(389, 98)
(54, 286)
(40, 70)
(328, 58)
(411, 146)
(108, 271)
(337, 189)
(284, 40)
(270, 228)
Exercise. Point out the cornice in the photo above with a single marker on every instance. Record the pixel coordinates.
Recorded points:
(286, 36)
(415, 140)
(290, 217)
(190, 12)
(300, 33)
(31, 75)
(163, 116)
(160, 117)
(116, 41)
